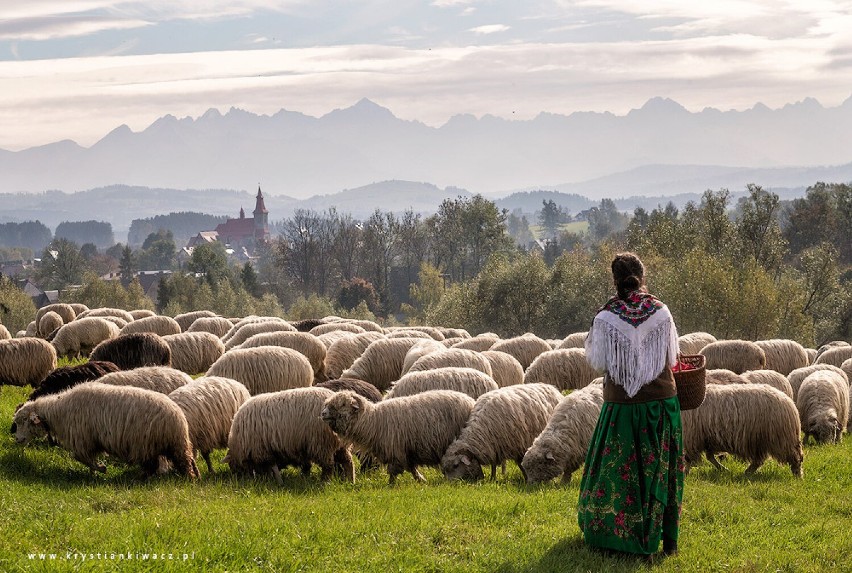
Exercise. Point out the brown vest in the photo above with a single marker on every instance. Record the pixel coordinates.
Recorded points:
(662, 387)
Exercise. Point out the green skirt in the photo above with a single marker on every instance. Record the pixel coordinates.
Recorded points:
(632, 486)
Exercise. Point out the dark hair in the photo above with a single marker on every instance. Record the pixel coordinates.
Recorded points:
(628, 272)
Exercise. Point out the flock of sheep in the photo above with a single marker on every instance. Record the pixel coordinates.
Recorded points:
(277, 393)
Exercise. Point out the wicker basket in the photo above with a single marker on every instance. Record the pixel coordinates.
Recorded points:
(691, 382)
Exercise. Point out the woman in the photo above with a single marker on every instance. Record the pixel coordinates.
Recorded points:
(632, 486)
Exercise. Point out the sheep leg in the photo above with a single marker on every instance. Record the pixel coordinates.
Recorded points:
(494, 472)
(716, 463)
(89, 460)
(326, 471)
(523, 471)
(276, 473)
(755, 465)
(206, 456)
(343, 462)
(503, 468)
(393, 471)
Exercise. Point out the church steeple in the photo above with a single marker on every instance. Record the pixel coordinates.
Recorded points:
(261, 218)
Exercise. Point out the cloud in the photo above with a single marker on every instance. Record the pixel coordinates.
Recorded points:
(490, 29)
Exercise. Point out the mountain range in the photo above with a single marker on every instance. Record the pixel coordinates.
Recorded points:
(658, 149)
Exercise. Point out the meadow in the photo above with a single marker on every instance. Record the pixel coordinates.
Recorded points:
(731, 523)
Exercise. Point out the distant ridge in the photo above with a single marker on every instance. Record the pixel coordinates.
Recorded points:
(301, 156)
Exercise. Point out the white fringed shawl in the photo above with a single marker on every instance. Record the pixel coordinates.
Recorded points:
(632, 355)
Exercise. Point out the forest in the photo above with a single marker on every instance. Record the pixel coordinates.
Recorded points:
(759, 268)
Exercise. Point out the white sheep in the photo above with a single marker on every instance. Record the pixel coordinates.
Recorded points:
(502, 426)
(469, 381)
(505, 368)
(246, 331)
(823, 403)
(565, 368)
(835, 355)
(49, 322)
(133, 425)
(107, 312)
(799, 374)
(187, 318)
(194, 352)
(381, 363)
(562, 446)
(303, 342)
(783, 355)
(771, 377)
(525, 348)
(750, 421)
(162, 379)
(343, 353)
(265, 368)
(217, 325)
(452, 357)
(209, 404)
(162, 325)
(403, 433)
(574, 340)
(80, 336)
(420, 349)
(734, 355)
(692, 343)
(25, 361)
(480, 343)
(284, 428)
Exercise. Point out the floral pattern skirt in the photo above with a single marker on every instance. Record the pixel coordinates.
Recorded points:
(632, 486)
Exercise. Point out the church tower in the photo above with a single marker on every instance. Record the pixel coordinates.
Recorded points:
(261, 218)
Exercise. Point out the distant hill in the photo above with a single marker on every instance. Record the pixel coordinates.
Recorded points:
(303, 156)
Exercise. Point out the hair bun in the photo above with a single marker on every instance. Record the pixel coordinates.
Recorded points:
(631, 282)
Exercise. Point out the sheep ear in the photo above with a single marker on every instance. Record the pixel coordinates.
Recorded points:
(356, 405)
(549, 456)
(465, 460)
(34, 419)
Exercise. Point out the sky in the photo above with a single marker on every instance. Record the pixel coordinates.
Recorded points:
(78, 69)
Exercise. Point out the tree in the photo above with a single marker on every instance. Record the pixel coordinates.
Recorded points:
(158, 251)
(61, 265)
(128, 264)
(757, 228)
(248, 277)
(380, 242)
(211, 261)
(356, 291)
(549, 217)
(606, 220)
(16, 307)
(425, 294)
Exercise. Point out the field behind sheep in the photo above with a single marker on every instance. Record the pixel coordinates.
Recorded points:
(50, 504)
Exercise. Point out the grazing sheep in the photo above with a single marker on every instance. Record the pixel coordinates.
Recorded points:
(4, 333)
(835, 356)
(365, 389)
(65, 311)
(134, 350)
(66, 377)
(828, 346)
(80, 336)
(799, 374)
(525, 348)
(209, 404)
(723, 376)
(448, 342)
(771, 377)
(405, 333)
(783, 355)
(343, 353)
(336, 326)
(420, 349)
(433, 332)
(130, 424)
(330, 338)
(812, 354)
(734, 355)
(161, 325)
(750, 421)
(249, 330)
(692, 343)
(78, 308)
(303, 342)
(307, 324)
(194, 352)
(574, 340)
(478, 343)
(468, 381)
(25, 361)
(107, 312)
(141, 313)
(187, 318)
(562, 446)
(116, 320)
(49, 322)
(162, 379)
(265, 368)
(502, 426)
(381, 363)
(403, 433)
(451, 357)
(823, 403)
(213, 324)
(565, 368)
(284, 428)
(367, 325)
(505, 368)
(847, 368)
(32, 329)
(453, 332)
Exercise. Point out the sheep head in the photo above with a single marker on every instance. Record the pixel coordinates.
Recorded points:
(342, 410)
(540, 465)
(28, 425)
(460, 463)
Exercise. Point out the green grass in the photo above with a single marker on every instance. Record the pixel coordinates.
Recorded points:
(573, 227)
(51, 504)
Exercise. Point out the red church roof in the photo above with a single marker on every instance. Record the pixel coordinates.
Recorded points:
(259, 206)
(234, 230)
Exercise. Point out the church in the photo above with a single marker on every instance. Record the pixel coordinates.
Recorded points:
(240, 235)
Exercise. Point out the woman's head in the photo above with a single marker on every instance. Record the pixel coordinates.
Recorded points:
(628, 273)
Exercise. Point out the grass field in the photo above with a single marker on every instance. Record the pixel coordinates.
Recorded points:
(52, 504)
